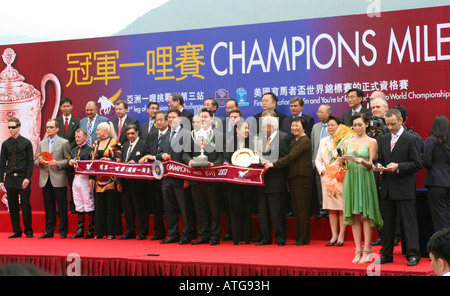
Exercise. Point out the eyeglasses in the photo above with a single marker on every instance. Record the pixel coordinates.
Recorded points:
(13, 127)
(352, 97)
(49, 127)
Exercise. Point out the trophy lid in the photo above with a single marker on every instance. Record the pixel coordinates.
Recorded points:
(12, 87)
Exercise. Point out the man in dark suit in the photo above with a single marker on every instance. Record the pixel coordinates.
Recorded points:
(122, 121)
(155, 200)
(206, 195)
(91, 121)
(399, 154)
(272, 207)
(269, 102)
(134, 199)
(174, 144)
(176, 101)
(218, 122)
(53, 179)
(150, 125)
(296, 107)
(69, 125)
(355, 98)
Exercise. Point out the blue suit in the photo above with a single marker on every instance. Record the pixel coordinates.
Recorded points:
(98, 119)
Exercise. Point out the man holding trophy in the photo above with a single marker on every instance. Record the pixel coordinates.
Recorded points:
(207, 151)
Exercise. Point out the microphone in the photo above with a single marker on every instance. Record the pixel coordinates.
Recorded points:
(339, 151)
(374, 161)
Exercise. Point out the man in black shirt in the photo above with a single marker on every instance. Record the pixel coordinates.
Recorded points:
(16, 161)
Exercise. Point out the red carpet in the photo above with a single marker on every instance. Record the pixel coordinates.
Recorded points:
(130, 257)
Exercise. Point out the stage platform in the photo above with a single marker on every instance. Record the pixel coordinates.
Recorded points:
(103, 257)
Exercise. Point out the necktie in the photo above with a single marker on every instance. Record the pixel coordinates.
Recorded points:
(393, 141)
(268, 143)
(89, 131)
(66, 125)
(172, 134)
(50, 144)
(13, 156)
(129, 152)
(158, 147)
(120, 127)
(323, 130)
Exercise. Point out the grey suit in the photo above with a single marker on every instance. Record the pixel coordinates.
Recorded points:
(53, 181)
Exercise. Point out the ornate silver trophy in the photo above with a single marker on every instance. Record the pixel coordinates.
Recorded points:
(202, 138)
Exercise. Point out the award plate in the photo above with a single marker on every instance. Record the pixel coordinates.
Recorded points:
(158, 169)
(46, 156)
(243, 157)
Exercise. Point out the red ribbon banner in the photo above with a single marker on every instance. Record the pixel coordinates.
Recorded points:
(218, 173)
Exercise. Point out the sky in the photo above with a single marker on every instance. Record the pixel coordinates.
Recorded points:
(61, 20)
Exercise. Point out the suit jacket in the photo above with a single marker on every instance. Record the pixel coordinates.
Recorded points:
(144, 132)
(275, 179)
(315, 139)
(180, 145)
(136, 153)
(286, 125)
(437, 161)
(281, 116)
(151, 142)
(347, 116)
(123, 135)
(400, 185)
(214, 151)
(298, 161)
(74, 124)
(187, 114)
(98, 120)
(61, 153)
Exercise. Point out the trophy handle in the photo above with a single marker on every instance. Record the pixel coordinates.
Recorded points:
(54, 79)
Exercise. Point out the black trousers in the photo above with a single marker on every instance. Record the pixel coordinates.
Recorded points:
(13, 187)
(439, 203)
(206, 196)
(272, 212)
(176, 203)
(157, 205)
(407, 212)
(134, 206)
(52, 196)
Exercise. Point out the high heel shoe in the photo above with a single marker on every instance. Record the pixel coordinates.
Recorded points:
(357, 257)
(331, 243)
(339, 244)
(367, 257)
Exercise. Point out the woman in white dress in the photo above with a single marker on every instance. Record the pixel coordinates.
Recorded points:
(332, 174)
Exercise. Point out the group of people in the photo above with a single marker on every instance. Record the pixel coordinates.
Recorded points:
(364, 165)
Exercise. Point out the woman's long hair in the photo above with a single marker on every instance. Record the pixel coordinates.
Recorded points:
(440, 131)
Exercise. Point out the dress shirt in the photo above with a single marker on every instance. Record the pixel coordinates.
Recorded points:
(357, 110)
(51, 142)
(24, 157)
(130, 148)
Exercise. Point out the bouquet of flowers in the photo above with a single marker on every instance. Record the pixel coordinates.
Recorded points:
(335, 172)
(342, 134)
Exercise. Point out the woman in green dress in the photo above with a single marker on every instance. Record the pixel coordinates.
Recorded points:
(361, 208)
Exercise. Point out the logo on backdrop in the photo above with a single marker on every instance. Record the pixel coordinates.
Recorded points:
(241, 97)
(107, 104)
(222, 96)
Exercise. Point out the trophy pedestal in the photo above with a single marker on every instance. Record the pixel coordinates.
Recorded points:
(200, 161)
